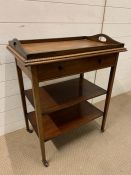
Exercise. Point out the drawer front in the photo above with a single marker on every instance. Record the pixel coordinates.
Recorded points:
(65, 68)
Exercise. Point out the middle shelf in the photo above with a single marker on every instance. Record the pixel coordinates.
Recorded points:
(65, 94)
(65, 120)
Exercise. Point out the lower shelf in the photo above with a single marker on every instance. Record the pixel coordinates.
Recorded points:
(59, 122)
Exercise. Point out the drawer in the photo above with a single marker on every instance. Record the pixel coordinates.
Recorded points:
(65, 68)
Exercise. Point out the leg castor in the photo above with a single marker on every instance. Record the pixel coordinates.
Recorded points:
(102, 129)
(46, 164)
(29, 130)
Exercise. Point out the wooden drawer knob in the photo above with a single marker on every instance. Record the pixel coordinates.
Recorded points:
(60, 67)
(99, 61)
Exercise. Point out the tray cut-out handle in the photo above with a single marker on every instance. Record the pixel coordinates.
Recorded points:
(104, 39)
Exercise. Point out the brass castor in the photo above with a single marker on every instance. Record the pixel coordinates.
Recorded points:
(29, 130)
(102, 130)
(46, 164)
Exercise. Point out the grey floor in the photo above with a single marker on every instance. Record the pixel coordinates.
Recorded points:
(85, 151)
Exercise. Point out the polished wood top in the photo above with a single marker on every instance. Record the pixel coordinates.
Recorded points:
(42, 51)
(59, 46)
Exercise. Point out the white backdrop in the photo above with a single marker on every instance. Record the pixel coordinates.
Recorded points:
(27, 19)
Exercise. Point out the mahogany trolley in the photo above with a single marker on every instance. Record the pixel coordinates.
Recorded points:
(61, 107)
